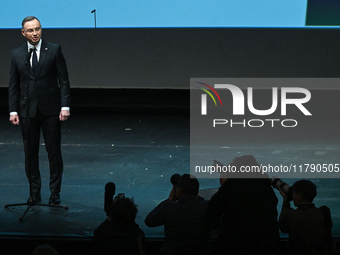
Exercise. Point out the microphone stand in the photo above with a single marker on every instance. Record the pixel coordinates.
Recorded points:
(30, 201)
(95, 18)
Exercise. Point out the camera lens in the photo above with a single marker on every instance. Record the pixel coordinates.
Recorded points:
(277, 183)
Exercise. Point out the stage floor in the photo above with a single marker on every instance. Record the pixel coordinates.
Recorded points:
(139, 153)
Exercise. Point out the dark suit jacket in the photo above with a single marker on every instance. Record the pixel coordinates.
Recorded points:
(49, 89)
(248, 208)
(185, 225)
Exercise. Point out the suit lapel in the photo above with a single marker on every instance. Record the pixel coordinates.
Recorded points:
(24, 51)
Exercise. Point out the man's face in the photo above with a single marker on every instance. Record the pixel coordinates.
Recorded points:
(32, 31)
(296, 199)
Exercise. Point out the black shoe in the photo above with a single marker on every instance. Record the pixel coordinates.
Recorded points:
(34, 199)
(54, 199)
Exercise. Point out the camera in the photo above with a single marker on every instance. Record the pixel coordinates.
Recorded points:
(175, 179)
(120, 195)
(110, 190)
(286, 189)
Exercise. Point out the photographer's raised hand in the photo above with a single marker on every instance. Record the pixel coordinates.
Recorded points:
(172, 195)
(223, 175)
(285, 203)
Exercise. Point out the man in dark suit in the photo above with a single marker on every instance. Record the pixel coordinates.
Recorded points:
(39, 97)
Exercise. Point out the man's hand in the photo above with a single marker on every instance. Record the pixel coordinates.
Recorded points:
(223, 178)
(223, 175)
(14, 119)
(282, 194)
(172, 195)
(285, 199)
(64, 114)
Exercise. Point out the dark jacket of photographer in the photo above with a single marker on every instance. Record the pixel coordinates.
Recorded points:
(249, 216)
(108, 238)
(309, 230)
(184, 223)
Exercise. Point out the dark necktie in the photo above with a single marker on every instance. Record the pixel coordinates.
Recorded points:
(34, 60)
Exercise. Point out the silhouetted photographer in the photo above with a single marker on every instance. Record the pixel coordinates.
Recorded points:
(309, 227)
(184, 219)
(246, 204)
(119, 233)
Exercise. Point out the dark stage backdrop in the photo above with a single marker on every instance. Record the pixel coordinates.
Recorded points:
(168, 57)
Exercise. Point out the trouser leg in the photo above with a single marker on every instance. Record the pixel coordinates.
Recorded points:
(31, 137)
(51, 127)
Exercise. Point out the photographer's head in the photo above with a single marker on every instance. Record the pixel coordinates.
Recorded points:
(246, 167)
(246, 160)
(304, 192)
(123, 212)
(188, 185)
(45, 249)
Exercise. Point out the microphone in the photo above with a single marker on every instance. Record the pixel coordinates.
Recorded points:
(110, 190)
(28, 56)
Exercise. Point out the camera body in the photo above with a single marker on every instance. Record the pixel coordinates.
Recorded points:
(120, 195)
(286, 189)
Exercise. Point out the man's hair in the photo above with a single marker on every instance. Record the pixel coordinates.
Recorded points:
(29, 18)
(123, 212)
(45, 249)
(189, 185)
(249, 162)
(306, 189)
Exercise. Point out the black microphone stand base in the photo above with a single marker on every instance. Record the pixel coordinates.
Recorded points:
(30, 203)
